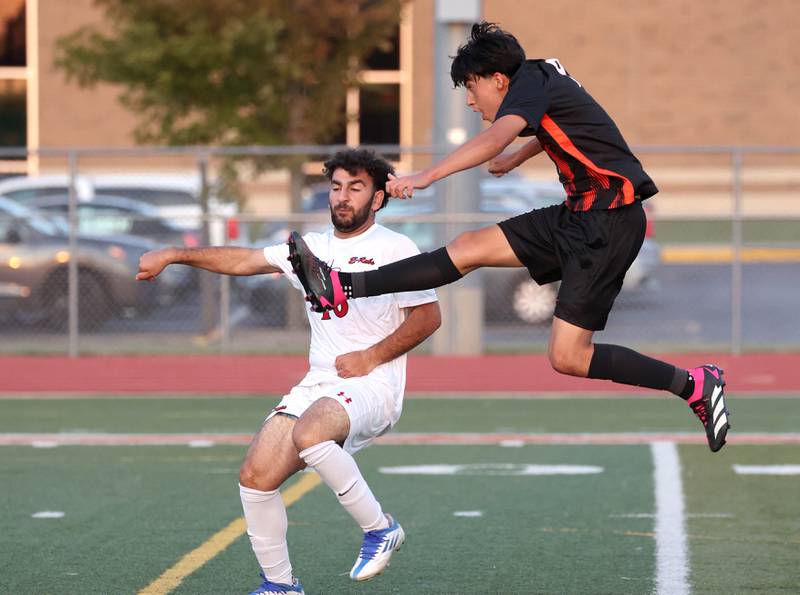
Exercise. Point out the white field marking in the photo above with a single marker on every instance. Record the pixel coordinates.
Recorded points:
(399, 438)
(492, 469)
(672, 560)
(48, 514)
(468, 513)
(512, 443)
(201, 443)
(766, 469)
(44, 444)
(697, 515)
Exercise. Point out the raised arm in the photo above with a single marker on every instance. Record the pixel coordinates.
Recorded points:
(228, 260)
(479, 149)
(502, 164)
(420, 323)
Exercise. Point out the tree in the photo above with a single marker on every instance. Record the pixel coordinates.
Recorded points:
(233, 72)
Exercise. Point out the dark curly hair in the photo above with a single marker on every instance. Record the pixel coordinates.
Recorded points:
(355, 160)
(488, 50)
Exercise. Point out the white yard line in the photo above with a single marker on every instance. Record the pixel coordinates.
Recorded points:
(672, 560)
(766, 469)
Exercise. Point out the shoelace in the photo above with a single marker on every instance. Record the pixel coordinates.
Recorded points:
(699, 409)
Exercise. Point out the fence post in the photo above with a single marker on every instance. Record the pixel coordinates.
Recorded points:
(72, 263)
(208, 282)
(462, 308)
(737, 160)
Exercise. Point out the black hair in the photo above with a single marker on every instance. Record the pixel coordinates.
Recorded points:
(355, 160)
(489, 49)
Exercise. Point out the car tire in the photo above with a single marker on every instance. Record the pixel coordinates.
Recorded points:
(94, 301)
(533, 303)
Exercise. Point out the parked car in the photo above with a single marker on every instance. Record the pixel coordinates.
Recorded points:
(107, 215)
(34, 257)
(173, 196)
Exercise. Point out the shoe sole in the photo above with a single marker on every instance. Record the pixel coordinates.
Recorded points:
(297, 268)
(723, 433)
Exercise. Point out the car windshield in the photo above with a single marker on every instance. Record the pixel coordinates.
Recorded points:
(153, 196)
(49, 225)
(27, 194)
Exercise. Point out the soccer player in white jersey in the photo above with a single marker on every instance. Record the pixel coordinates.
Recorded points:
(353, 391)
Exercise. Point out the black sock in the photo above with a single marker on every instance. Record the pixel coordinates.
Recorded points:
(626, 366)
(423, 271)
(683, 384)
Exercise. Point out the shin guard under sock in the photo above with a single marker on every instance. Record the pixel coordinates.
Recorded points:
(423, 271)
(626, 366)
(339, 471)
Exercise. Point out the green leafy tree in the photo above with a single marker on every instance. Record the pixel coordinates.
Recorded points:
(233, 72)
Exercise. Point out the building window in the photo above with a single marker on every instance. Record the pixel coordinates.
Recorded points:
(13, 77)
(386, 57)
(13, 113)
(12, 33)
(379, 114)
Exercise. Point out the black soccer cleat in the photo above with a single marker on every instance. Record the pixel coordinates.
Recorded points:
(320, 282)
(708, 404)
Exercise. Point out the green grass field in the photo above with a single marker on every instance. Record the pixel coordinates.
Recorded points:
(131, 512)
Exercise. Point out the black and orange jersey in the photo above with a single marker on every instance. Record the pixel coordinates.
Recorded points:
(594, 163)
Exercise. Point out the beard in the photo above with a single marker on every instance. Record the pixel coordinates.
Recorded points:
(350, 219)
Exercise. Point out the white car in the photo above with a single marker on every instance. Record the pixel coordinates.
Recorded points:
(175, 197)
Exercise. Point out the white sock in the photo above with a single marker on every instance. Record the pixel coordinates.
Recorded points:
(266, 520)
(341, 474)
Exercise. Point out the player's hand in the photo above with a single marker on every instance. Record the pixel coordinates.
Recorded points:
(403, 187)
(355, 363)
(151, 264)
(502, 164)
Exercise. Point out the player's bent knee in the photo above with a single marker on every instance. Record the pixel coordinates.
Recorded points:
(462, 251)
(305, 435)
(564, 362)
(248, 477)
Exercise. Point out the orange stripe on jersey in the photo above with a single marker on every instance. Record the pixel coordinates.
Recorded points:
(565, 143)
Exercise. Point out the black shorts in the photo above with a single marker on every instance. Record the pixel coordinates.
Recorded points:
(589, 251)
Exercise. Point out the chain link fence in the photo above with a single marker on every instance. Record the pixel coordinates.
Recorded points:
(719, 270)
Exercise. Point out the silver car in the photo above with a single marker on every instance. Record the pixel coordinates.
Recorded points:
(34, 257)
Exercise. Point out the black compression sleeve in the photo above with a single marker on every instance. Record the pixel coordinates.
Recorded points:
(423, 271)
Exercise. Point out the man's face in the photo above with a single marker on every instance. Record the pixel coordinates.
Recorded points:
(485, 94)
(351, 201)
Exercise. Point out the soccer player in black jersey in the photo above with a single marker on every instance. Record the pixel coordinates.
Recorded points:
(588, 242)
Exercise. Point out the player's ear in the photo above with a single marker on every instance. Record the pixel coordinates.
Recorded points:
(377, 199)
(500, 81)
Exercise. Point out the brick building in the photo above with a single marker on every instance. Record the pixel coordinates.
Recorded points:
(670, 72)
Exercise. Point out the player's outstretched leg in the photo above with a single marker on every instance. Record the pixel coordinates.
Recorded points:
(270, 588)
(327, 288)
(376, 550)
(321, 282)
(708, 403)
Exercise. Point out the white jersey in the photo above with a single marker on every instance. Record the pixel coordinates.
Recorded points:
(359, 323)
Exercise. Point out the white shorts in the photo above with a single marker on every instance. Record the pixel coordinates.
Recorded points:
(370, 406)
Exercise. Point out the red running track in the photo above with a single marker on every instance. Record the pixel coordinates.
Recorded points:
(238, 375)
